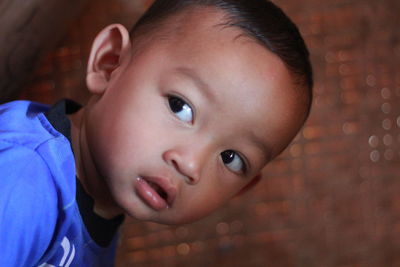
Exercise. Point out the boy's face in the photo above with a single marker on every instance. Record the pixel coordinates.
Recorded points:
(198, 115)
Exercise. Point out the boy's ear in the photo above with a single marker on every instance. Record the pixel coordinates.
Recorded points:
(250, 185)
(110, 50)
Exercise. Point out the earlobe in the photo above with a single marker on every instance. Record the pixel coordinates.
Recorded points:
(110, 50)
(96, 82)
(250, 185)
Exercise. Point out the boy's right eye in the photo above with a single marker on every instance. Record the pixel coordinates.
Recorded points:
(182, 110)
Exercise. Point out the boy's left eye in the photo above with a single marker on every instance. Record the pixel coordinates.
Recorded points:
(181, 109)
(233, 161)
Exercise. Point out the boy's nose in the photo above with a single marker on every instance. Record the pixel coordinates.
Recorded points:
(189, 163)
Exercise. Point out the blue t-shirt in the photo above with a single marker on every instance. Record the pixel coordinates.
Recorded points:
(46, 218)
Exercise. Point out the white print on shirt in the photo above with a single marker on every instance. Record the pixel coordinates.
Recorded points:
(67, 256)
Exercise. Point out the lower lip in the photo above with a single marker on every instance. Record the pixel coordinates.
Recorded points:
(149, 195)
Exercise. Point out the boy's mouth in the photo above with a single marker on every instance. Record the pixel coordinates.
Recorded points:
(156, 192)
(159, 190)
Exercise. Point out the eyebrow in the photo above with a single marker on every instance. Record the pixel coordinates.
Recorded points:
(200, 83)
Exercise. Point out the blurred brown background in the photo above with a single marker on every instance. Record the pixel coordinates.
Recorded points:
(332, 198)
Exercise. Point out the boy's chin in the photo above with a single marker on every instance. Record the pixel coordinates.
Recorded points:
(167, 217)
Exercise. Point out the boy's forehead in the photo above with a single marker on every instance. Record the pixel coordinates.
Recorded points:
(192, 20)
(194, 31)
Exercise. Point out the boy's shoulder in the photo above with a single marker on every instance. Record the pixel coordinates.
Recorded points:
(37, 179)
(24, 123)
(34, 206)
(27, 136)
(32, 151)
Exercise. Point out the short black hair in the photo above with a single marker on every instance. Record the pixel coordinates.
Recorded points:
(261, 20)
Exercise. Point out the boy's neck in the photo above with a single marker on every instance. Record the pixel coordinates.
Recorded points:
(93, 184)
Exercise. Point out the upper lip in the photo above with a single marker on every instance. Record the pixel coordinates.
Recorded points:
(166, 185)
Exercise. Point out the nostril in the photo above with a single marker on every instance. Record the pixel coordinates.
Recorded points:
(183, 166)
(188, 178)
(175, 164)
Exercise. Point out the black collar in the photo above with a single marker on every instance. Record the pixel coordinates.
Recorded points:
(101, 230)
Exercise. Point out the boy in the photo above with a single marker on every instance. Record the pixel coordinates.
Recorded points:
(185, 112)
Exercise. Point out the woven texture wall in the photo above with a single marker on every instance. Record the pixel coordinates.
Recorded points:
(333, 197)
